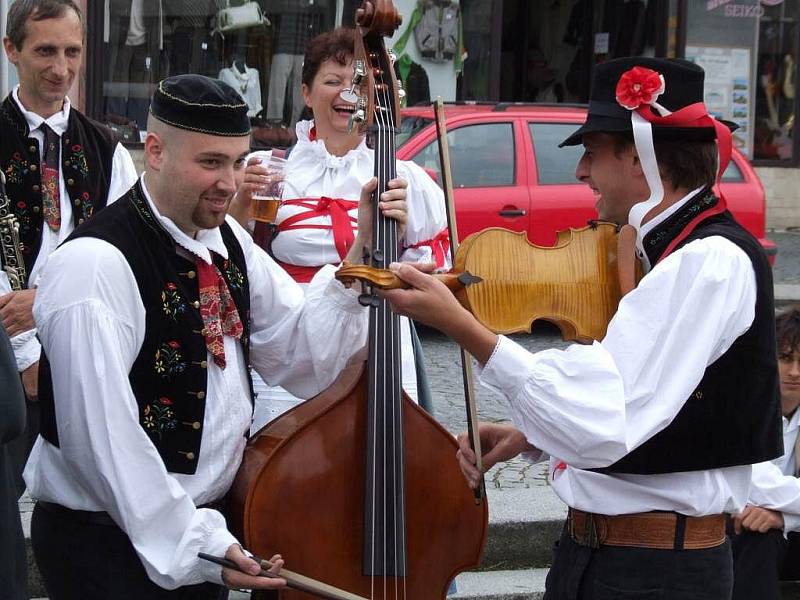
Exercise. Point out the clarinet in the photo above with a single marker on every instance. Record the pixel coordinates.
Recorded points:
(13, 263)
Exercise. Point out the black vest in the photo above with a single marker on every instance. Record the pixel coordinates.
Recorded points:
(87, 154)
(734, 415)
(169, 375)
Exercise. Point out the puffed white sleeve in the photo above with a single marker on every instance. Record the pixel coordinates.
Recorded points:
(91, 322)
(426, 238)
(123, 173)
(300, 341)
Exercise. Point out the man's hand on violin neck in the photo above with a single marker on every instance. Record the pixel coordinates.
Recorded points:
(430, 302)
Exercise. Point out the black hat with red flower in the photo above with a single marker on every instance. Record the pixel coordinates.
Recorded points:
(648, 85)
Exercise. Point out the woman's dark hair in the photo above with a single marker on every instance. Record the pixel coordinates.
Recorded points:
(335, 45)
(787, 325)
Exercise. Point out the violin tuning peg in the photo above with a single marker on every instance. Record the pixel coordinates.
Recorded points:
(392, 56)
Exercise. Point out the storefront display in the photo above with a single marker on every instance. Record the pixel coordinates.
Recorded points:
(254, 45)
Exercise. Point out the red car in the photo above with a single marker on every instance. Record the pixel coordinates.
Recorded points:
(508, 170)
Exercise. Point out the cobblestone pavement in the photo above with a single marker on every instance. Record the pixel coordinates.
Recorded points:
(443, 364)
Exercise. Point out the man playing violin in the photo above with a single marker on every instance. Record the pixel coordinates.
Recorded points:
(650, 432)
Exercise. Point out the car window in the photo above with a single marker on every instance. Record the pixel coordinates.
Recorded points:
(480, 155)
(732, 174)
(555, 165)
(409, 126)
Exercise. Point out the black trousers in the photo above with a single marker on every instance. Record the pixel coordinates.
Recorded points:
(83, 560)
(761, 561)
(617, 573)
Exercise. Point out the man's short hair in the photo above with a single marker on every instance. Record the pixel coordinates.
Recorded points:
(787, 325)
(37, 10)
(686, 165)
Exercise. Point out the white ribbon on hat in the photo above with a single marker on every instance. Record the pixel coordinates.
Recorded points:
(643, 140)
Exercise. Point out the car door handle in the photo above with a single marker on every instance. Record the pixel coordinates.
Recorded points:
(515, 212)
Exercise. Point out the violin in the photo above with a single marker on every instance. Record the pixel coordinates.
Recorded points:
(508, 283)
(359, 487)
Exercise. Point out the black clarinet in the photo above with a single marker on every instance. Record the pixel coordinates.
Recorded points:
(13, 264)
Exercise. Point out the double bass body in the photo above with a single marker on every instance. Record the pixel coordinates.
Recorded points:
(300, 491)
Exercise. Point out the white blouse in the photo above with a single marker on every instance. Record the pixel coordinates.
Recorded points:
(313, 173)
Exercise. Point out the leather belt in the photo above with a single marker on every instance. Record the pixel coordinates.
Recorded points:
(102, 517)
(659, 530)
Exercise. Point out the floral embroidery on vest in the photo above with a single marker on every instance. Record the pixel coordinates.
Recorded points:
(158, 416)
(76, 160)
(85, 204)
(169, 360)
(234, 275)
(17, 168)
(171, 302)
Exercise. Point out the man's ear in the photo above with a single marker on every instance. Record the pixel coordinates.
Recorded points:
(154, 151)
(11, 50)
(636, 163)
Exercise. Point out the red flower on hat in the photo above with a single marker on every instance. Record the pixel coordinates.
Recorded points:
(639, 86)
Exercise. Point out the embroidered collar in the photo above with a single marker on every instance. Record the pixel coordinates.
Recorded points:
(672, 225)
(57, 122)
(201, 246)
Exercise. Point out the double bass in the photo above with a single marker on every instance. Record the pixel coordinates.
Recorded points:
(359, 487)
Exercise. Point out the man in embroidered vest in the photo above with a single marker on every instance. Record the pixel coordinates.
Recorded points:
(149, 315)
(60, 166)
(650, 432)
(766, 534)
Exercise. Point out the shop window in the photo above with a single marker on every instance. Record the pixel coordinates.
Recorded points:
(480, 155)
(254, 45)
(774, 127)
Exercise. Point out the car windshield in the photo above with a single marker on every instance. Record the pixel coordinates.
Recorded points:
(409, 126)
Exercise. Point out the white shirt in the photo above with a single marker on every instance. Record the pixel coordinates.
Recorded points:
(92, 324)
(588, 406)
(774, 485)
(123, 176)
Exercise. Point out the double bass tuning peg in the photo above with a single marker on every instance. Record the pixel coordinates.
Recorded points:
(359, 72)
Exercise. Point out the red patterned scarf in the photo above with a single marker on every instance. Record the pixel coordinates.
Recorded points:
(218, 310)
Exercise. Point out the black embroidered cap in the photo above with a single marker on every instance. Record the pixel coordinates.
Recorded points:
(201, 104)
(684, 86)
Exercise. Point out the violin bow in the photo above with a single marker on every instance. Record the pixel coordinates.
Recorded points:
(452, 230)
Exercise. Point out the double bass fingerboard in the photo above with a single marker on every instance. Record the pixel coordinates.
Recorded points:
(384, 506)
